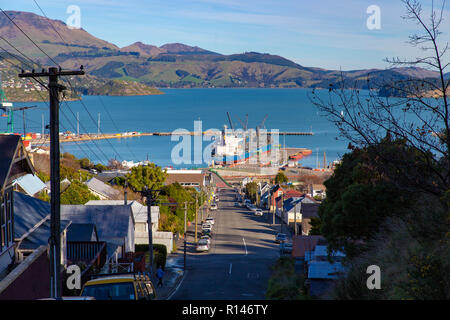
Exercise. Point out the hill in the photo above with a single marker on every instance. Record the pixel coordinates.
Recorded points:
(180, 65)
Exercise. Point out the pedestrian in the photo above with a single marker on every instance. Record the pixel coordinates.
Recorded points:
(159, 275)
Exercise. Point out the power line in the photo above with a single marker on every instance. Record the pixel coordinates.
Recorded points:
(101, 101)
(30, 39)
(67, 80)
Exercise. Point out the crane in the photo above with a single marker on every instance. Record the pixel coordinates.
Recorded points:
(229, 119)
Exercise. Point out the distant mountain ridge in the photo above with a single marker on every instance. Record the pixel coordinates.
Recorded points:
(177, 64)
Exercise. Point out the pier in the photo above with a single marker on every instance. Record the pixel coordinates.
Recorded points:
(71, 137)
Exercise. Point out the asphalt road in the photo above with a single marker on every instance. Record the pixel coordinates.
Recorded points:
(237, 266)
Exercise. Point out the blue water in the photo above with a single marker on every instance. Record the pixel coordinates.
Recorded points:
(287, 110)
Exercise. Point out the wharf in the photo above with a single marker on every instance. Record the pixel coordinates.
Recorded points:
(64, 137)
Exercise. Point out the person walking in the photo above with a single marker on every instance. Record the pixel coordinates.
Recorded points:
(159, 275)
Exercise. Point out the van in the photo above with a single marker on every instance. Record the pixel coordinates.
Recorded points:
(128, 286)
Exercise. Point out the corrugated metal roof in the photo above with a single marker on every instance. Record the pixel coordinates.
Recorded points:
(28, 212)
(82, 232)
(30, 183)
(40, 235)
(102, 188)
(139, 210)
(112, 221)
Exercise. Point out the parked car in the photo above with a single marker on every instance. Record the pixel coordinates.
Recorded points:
(210, 220)
(207, 232)
(202, 245)
(280, 237)
(285, 247)
(259, 212)
(207, 238)
(206, 226)
(214, 206)
(120, 287)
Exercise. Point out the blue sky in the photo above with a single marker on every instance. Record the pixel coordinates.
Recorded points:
(330, 34)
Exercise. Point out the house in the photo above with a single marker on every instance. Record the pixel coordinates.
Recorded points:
(318, 190)
(114, 225)
(275, 197)
(188, 178)
(309, 211)
(302, 246)
(141, 225)
(14, 163)
(30, 278)
(323, 270)
(32, 226)
(102, 190)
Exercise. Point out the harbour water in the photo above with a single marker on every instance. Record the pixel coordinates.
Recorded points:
(287, 109)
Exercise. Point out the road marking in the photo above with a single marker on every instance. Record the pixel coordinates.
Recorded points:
(229, 270)
(245, 246)
(178, 286)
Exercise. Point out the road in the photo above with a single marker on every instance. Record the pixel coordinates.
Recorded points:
(237, 267)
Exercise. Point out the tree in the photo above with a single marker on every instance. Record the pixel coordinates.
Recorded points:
(77, 193)
(251, 189)
(150, 176)
(421, 122)
(281, 178)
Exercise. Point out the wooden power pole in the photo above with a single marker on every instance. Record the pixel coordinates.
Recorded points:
(54, 88)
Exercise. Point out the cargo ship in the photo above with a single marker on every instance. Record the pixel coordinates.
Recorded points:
(237, 146)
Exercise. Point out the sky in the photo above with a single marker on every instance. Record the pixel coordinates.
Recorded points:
(330, 34)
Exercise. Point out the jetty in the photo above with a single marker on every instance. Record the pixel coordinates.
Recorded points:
(72, 137)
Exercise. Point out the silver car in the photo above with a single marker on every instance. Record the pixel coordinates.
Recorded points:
(202, 245)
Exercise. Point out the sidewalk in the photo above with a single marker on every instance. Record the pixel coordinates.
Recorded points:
(174, 269)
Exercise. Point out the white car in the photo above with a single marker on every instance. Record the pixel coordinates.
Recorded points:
(214, 206)
(207, 226)
(210, 220)
(202, 245)
(259, 212)
(207, 238)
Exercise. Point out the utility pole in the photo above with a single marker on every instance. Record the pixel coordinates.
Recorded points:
(196, 205)
(125, 192)
(149, 194)
(185, 233)
(55, 213)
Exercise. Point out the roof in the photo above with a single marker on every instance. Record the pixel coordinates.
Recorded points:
(102, 188)
(30, 183)
(325, 270)
(139, 210)
(81, 232)
(40, 236)
(310, 210)
(14, 161)
(293, 193)
(197, 176)
(302, 244)
(112, 221)
(322, 251)
(28, 212)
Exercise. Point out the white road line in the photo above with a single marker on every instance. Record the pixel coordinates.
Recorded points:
(245, 246)
(229, 270)
(178, 286)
